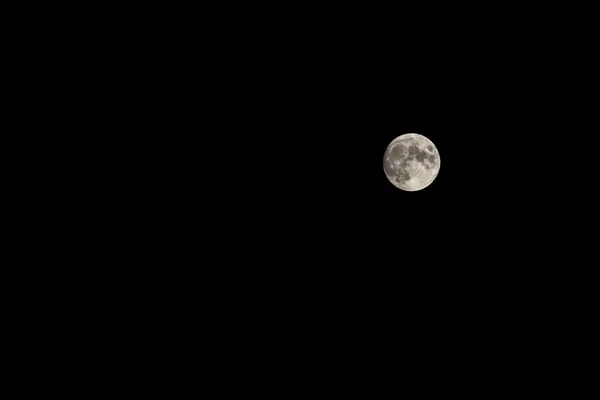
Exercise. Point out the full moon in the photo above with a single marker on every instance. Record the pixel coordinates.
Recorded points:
(411, 162)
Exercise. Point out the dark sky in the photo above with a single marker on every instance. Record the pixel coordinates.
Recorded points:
(281, 127)
(306, 112)
(229, 162)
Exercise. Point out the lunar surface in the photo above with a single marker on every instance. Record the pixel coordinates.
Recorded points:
(411, 162)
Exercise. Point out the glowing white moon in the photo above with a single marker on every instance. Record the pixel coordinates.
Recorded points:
(411, 162)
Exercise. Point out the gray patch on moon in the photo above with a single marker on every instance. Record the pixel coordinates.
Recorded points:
(404, 175)
(430, 148)
(398, 151)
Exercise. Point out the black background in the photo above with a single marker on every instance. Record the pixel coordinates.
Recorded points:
(209, 182)
(310, 110)
(232, 168)
(270, 130)
(319, 235)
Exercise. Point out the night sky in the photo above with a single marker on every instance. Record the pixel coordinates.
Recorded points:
(305, 114)
(224, 169)
(267, 152)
